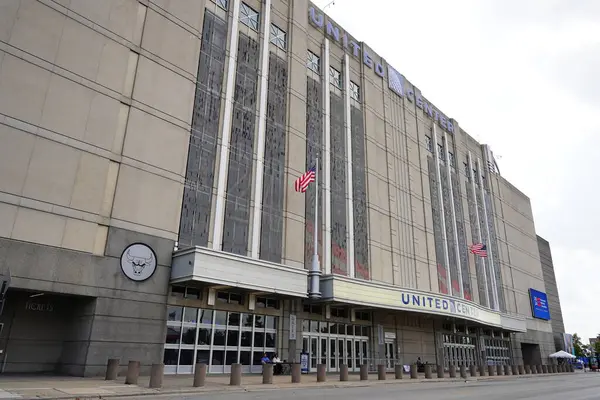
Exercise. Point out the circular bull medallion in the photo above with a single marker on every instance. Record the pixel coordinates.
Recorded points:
(138, 262)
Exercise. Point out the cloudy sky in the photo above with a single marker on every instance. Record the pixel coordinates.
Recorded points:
(524, 77)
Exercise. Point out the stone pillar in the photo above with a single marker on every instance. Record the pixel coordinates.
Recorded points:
(398, 371)
(521, 369)
(156, 375)
(427, 371)
(571, 368)
(527, 369)
(540, 369)
(544, 369)
(473, 370)
(296, 373)
(235, 378)
(440, 371)
(554, 368)
(321, 372)
(414, 374)
(514, 369)
(491, 370)
(381, 372)
(267, 374)
(452, 371)
(112, 369)
(364, 372)
(200, 375)
(507, 370)
(133, 373)
(343, 373)
(481, 370)
(499, 370)
(463, 371)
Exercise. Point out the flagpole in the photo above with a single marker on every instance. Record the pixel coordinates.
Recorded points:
(315, 270)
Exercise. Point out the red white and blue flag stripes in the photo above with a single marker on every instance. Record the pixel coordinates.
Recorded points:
(302, 183)
(479, 249)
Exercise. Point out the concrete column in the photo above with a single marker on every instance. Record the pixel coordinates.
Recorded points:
(267, 374)
(452, 371)
(343, 373)
(156, 375)
(364, 372)
(540, 369)
(554, 368)
(463, 371)
(571, 368)
(235, 379)
(534, 369)
(133, 373)
(296, 373)
(499, 370)
(521, 369)
(527, 369)
(561, 368)
(381, 372)
(414, 374)
(491, 370)
(482, 370)
(440, 371)
(507, 370)
(200, 375)
(427, 371)
(321, 372)
(398, 371)
(112, 369)
(544, 369)
(473, 370)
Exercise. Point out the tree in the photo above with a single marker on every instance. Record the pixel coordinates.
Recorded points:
(597, 347)
(577, 345)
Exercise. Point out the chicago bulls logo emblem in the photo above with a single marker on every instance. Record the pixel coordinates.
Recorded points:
(138, 262)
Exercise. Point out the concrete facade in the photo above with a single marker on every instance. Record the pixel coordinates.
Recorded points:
(182, 124)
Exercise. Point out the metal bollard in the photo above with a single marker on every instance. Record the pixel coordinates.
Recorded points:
(440, 371)
(452, 371)
(427, 371)
(364, 372)
(267, 374)
(381, 372)
(481, 370)
(473, 370)
(133, 373)
(414, 373)
(343, 373)
(235, 378)
(463, 371)
(200, 375)
(544, 369)
(499, 370)
(507, 370)
(321, 372)
(399, 371)
(112, 369)
(521, 369)
(156, 375)
(296, 373)
(491, 370)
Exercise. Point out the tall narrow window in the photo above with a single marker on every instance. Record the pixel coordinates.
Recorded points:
(335, 77)
(313, 62)
(278, 37)
(249, 16)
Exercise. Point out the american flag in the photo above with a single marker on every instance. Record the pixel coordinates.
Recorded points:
(479, 249)
(302, 183)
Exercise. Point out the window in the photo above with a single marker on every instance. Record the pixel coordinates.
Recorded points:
(312, 309)
(222, 3)
(335, 77)
(451, 158)
(277, 37)
(363, 315)
(466, 168)
(339, 312)
(428, 144)
(184, 292)
(313, 62)
(441, 152)
(248, 16)
(354, 91)
(230, 298)
(264, 302)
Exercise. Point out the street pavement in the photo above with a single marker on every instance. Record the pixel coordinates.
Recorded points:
(578, 386)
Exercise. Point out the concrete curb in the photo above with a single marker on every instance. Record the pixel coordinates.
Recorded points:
(285, 386)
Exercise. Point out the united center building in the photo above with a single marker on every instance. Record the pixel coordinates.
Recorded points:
(148, 153)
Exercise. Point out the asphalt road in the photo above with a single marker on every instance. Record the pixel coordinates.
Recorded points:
(578, 386)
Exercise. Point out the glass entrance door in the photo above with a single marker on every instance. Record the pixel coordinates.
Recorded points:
(390, 354)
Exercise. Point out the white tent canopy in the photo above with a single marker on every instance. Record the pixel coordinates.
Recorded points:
(561, 354)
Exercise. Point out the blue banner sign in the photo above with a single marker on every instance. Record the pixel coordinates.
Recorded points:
(539, 304)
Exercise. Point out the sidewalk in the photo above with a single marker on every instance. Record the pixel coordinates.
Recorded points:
(94, 388)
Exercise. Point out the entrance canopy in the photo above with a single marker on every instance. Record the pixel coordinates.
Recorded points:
(561, 354)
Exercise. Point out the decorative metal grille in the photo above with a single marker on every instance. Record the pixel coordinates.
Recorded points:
(249, 16)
